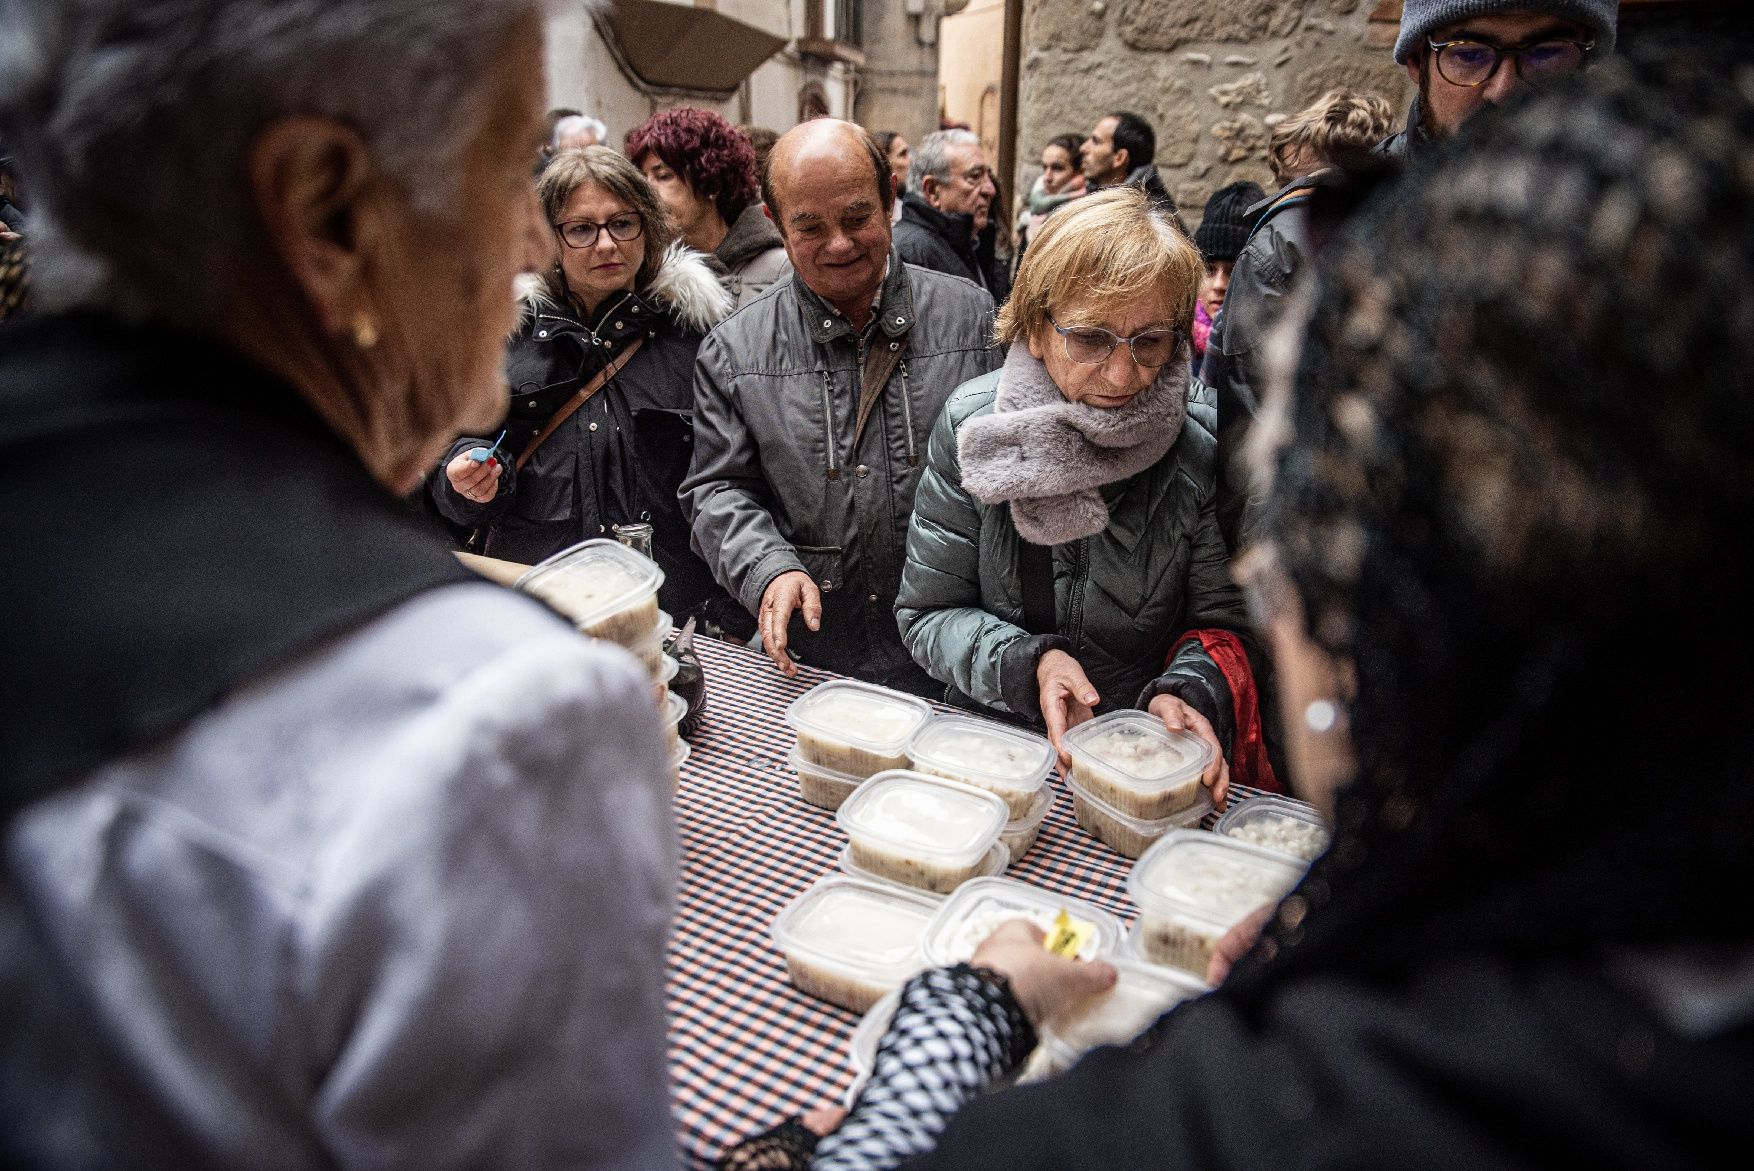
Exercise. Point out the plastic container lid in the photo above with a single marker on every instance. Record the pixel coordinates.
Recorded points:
(675, 707)
(593, 580)
(683, 752)
(834, 779)
(668, 666)
(862, 714)
(1291, 827)
(996, 862)
(1188, 818)
(1136, 749)
(1142, 993)
(933, 820)
(1006, 760)
(867, 1035)
(859, 928)
(1210, 877)
(975, 908)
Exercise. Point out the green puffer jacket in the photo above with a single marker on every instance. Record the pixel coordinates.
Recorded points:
(1122, 597)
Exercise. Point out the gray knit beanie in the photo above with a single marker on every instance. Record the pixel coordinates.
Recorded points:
(1420, 17)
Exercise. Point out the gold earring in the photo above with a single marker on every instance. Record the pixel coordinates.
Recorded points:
(365, 330)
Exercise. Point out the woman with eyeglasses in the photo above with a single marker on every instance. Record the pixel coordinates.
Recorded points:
(623, 295)
(1064, 558)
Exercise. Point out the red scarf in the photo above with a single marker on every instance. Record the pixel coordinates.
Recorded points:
(1248, 750)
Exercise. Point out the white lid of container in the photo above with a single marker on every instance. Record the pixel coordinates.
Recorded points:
(822, 772)
(856, 927)
(973, 910)
(1038, 811)
(860, 714)
(1142, 993)
(668, 666)
(1137, 749)
(1208, 876)
(675, 707)
(592, 580)
(927, 818)
(1188, 818)
(1263, 810)
(1009, 759)
(683, 751)
(862, 1046)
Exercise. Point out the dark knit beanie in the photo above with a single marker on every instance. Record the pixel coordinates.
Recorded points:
(1419, 18)
(1224, 227)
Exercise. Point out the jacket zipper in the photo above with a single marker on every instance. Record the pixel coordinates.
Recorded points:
(907, 418)
(828, 415)
(1080, 571)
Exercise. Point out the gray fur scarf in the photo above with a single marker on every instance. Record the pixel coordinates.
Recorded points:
(1048, 457)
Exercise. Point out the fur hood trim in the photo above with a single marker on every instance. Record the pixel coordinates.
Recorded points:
(685, 285)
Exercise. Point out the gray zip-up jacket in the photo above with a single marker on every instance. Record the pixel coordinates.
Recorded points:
(779, 483)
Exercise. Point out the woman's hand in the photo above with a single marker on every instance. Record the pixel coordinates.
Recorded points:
(474, 480)
(1044, 984)
(1067, 698)
(1238, 942)
(1179, 717)
(787, 592)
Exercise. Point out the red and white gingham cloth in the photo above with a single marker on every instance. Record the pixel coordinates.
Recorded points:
(747, 1049)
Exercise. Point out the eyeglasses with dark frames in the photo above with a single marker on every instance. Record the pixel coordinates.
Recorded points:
(1471, 63)
(1090, 345)
(629, 225)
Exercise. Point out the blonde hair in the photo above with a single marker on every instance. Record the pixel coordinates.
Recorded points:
(1112, 246)
(573, 168)
(1339, 120)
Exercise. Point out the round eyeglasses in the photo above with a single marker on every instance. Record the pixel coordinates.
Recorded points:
(1473, 63)
(1090, 345)
(583, 233)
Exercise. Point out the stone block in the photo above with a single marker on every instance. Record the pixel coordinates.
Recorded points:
(1064, 24)
(1248, 90)
(1159, 25)
(1240, 138)
(1357, 71)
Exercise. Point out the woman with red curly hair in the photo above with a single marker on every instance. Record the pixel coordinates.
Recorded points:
(703, 168)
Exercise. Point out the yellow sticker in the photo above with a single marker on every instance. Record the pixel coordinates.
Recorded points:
(1068, 936)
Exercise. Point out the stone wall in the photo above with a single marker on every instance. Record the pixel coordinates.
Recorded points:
(1210, 75)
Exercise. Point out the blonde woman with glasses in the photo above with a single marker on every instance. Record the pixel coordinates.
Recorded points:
(1063, 557)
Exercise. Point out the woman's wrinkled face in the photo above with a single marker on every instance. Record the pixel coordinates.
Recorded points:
(608, 265)
(690, 211)
(446, 299)
(1117, 379)
(1057, 169)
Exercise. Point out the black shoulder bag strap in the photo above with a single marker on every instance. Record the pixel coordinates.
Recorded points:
(1035, 570)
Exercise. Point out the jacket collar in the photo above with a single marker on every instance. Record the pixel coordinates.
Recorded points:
(895, 307)
(956, 228)
(617, 318)
(751, 234)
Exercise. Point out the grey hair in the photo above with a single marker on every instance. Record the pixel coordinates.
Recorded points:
(579, 123)
(932, 157)
(132, 120)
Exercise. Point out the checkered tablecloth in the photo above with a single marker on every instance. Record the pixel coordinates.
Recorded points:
(746, 1048)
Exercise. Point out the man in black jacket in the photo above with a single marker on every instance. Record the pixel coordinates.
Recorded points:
(1122, 148)
(947, 205)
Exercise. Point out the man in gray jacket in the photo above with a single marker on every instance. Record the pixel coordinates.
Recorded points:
(812, 408)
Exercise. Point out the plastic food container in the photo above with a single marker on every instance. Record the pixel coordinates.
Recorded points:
(1130, 762)
(670, 720)
(1132, 836)
(996, 862)
(650, 650)
(855, 728)
(667, 669)
(865, 1039)
(848, 941)
(607, 589)
(977, 908)
(1278, 823)
(922, 831)
(1192, 887)
(823, 787)
(1020, 833)
(683, 751)
(1142, 993)
(1014, 764)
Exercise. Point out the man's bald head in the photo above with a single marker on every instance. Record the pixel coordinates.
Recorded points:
(821, 140)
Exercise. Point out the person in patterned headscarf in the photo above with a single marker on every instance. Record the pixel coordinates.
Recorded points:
(1500, 578)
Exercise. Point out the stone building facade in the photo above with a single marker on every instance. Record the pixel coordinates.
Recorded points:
(1210, 75)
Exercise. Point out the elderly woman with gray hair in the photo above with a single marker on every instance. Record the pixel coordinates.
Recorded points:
(1063, 558)
(298, 818)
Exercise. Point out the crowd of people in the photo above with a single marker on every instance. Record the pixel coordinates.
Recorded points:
(1372, 482)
